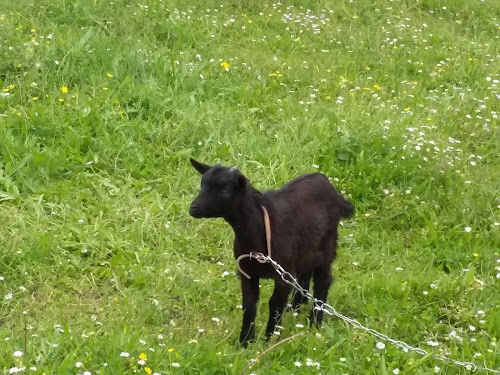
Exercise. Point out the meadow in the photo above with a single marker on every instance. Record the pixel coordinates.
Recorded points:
(103, 271)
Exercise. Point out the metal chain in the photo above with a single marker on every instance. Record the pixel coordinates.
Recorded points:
(320, 305)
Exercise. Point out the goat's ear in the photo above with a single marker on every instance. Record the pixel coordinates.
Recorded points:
(241, 181)
(200, 167)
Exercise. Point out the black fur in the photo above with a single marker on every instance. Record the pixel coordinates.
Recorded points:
(304, 216)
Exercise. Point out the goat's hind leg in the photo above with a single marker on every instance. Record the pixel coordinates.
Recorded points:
(322, 278)
(298, 299)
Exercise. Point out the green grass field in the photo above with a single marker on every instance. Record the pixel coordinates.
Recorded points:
(103, 271)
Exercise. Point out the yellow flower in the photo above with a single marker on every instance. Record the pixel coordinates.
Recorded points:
(109, 75)
(225, 65)
(64, 89)
(368, 68)
(11, 87)
(407, 109)
(148, 370)
(35, 98)
(170, 350)
(33, 30)
(5, 90)
(475, 255)
(376, 87)
(328, 70)
(105, 88)
(115, 299)
(355, 17)
(61, 100)
(250, 21)
(429, 118)
(143, 356)
(328, 97)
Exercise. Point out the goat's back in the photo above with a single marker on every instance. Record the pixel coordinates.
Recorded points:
(309, 196)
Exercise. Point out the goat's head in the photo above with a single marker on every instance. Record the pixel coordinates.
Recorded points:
(222, 191)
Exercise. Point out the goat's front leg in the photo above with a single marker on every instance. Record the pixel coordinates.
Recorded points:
(250, 292)
(277, 304)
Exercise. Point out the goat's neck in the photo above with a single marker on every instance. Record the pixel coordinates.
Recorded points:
(248, 226)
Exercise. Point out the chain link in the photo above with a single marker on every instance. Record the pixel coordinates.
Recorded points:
(320, 305)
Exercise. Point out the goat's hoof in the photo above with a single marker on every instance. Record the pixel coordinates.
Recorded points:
(244, 344)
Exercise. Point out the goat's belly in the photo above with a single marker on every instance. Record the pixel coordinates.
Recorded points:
(308, 262)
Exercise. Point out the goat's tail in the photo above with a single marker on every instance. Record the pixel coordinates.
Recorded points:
(348, 209)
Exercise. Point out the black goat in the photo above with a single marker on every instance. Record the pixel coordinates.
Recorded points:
(304, 216)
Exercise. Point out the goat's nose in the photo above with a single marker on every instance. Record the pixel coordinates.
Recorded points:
(194, 210)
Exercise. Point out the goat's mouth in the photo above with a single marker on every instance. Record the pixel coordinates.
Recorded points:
(195, 211)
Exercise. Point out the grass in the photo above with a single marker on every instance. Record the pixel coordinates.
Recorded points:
(101, 105)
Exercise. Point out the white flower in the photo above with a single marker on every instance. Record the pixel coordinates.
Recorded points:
(201, 330)
(395, 371)
(79, 364)
(33, 368)
(225, 273)
(176, 364)
(216, 320)
(297, 364)
(342, 359)
(380, 345)
(299, 325)
(160, 337)
(468, 229)
(18, 353)
(436, 369)
(472, 328)
(2, 278)
(8, 296)
(455, 336)
(141, 362)
(14, 370)
(432, 343)
(87, 373)
(399, 269)
(124, 354)
(142, 342)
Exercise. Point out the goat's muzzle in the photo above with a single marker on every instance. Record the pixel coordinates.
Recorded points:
(195, 211)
